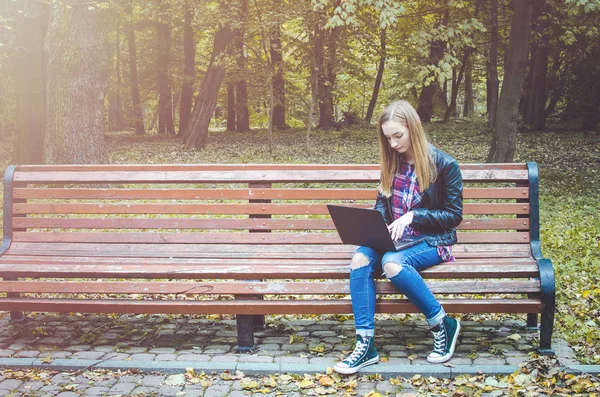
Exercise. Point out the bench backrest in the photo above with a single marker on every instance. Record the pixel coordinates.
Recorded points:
(252, 204)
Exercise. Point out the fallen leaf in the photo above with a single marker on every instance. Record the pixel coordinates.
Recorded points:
(248, 384)
(307, 383)
(326, 381)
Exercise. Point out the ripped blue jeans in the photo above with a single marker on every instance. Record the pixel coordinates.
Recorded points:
(408, 281)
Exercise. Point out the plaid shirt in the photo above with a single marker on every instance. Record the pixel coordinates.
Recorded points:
(407, 195)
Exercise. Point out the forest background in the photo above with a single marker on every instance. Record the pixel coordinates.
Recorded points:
(125, 81)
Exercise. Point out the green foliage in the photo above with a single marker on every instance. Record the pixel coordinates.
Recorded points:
(570, 229)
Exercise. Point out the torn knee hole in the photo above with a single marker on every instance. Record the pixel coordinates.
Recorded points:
(359, 260)
(391, 269)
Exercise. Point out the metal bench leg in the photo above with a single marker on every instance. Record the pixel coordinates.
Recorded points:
(259, 321)
(14, 316)
(532, 320)
(546, 328)
(549, 302)
(245, 326)
(245, 331)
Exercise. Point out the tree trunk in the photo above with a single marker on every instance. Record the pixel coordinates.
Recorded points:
(278, 78)
(328, 75)
(319, 60)
(443, 95)
(380, 69)
(196, 133)
(469, 106)
(78, 65)
(242, 115)
(436, 52)
(133, 75)
(230, 107)
(493, 83)
(30, 85)
(271, 73)
(187, 88)
(456, 80)
(503, 146)
(535, 100)
(314, 83)
(115, 115)
(165, 103)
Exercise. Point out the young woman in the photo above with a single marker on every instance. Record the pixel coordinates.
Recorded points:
(420, 194)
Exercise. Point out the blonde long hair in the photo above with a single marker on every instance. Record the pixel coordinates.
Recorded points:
(403, 112)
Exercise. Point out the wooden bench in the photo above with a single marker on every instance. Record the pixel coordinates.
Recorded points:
(249, 240)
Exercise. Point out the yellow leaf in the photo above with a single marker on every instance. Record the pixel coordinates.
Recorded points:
(326, 381)
(384, 359)
(395, 381)
(317, 349)
(514, 337)
(586, 293)
(270, 382)
(412, 357)
(47, 360)
(249, 384)
(307, 383)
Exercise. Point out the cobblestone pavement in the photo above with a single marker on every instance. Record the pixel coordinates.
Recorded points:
(127, 344)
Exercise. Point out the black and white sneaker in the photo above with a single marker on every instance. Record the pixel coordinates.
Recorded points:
(445, 336)
(364, 354)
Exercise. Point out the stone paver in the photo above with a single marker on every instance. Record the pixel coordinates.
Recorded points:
(122, 387)
(10, 384)
(88, 355)
(142, 357)
(96, 391)
(171, 342)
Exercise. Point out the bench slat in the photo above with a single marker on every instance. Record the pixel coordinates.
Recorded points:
(241, 288)
(240, 238)
(244, 166)
(241, 270)
(237, 223)
(235, 208)
(234, 258)
(162, 174)
(241, 251)
(261, 307)
(242, 194)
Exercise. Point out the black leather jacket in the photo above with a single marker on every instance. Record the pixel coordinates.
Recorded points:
(442, 204)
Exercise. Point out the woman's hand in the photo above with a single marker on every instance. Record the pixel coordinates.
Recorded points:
(397, 227)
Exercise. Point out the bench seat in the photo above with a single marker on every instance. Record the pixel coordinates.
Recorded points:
(249, 240)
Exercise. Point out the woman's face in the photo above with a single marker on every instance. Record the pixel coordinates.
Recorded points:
(398, 136)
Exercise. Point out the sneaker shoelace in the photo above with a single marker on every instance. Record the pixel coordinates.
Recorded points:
(439, 341)
(358, 352)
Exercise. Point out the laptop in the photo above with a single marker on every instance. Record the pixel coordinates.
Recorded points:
(366, 227)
